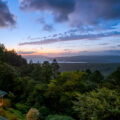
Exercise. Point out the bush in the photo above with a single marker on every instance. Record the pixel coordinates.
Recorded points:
(59, 117)
(33, 114)
(21, 107)
(101, 104)
(44, 111)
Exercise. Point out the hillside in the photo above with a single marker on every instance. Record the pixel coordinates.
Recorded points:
(91, 59)
(104, 68)
(55, 91)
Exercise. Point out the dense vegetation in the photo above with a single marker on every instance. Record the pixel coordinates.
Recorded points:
(104, 68)
(40, 92)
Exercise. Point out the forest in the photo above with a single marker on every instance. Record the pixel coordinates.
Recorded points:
(38, 91)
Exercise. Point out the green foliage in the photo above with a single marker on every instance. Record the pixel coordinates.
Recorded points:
(44, 111)
(55, 68)
(102, 104)
(7, 77)
(46, 72)
(96, 77)
(36, 73)
(2, 50)
(58, 117)
(113, 80)
(62, 90)
(22, 107)
(36, 98)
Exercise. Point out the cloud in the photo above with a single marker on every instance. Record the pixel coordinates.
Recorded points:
(59, 8)
(71, 37)
(6, 18)
(103, 44)
(102, 13)
(46, 26)
(93, 53)
(26, 52)
(104, 52)
(96, 12)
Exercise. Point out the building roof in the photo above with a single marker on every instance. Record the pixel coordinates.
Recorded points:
(2, 93)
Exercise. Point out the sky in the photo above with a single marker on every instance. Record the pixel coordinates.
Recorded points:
(61, 27)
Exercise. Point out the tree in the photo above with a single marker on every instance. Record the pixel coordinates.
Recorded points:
(8, 76)
(44, 112)
(36, 97)
(36, 74)
(2, 50)
(55, 68)
(102, 104)
(46, 72)
(62, 90)
(22, 94)
(11, 57)
(96, 77)
(113, 80)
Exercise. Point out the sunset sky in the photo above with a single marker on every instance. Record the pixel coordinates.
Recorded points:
(61, 27)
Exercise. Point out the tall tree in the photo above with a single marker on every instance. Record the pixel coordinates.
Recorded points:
(8, 76)
(55, 68)
(46, 72)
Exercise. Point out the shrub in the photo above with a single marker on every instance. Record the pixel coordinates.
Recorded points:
(22, 107)
(44, 111)
(101, 104)
(33, 114)
(59, 117)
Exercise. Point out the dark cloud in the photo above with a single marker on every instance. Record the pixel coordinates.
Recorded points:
(102, 13)
(96, 12)
(59, 8)
(6, 18)
(72, 37)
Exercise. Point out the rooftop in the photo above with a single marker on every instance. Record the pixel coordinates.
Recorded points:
(2, 93)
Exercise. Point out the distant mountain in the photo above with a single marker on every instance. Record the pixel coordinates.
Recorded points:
(75, 59)
(91, 59)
